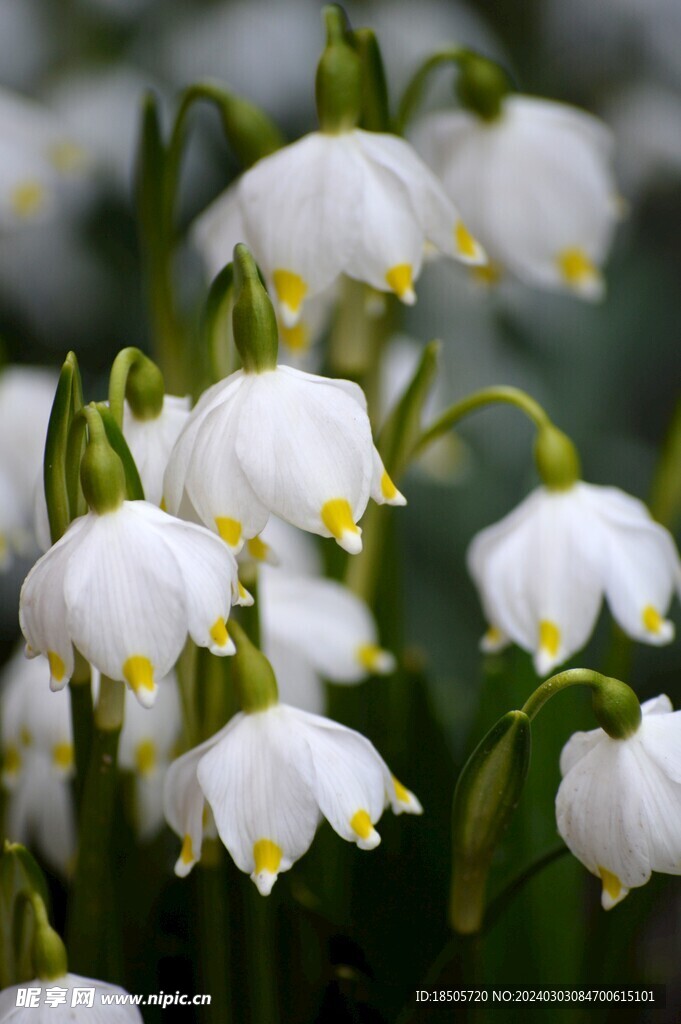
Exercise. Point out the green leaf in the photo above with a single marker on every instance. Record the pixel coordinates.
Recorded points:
(57, 496)
(402, 429)
(114, 434)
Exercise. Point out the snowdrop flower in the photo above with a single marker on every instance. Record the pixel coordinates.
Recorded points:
(37, 755)
(148, 743)
(151, 441)
(35, 154)
(618, 807)
(125, 587)
(356, 203)
(284, 442)
(26, 395)
(56, 1002)
(314, 628)
(543, 570)
(269, 776)
(534, 184)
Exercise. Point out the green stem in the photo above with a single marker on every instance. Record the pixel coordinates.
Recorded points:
(262, 957)
(507, 895)
(414, 91)
(214, 933)
(665, 498)
(479, 400)
(81, 719)
(561, 681)
(91, 930)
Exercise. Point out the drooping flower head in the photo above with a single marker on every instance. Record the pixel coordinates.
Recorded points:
(272, 439)
(618, 807)
(270, 776)
(125, 584)
(533, 180)
(339, 201)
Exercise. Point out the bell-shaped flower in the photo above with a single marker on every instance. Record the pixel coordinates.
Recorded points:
(353, 202)
(534, 184)
(151, 441)
(314, 629)
(35, 154)
(66, 999)
(618, 807)
(148, 743)
(26, 395)
(268, 778)
(125, 587)
(37, 762)
(283, 442)
(543, 570)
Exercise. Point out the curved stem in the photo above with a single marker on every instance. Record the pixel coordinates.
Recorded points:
(412, 94)
(479, 400)
(571, 677)
(118, 380)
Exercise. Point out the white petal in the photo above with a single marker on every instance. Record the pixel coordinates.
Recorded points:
(125, 595)
(323, 621)
(347, 776)
(383, 490)
(41, 812)
(323, 454)
(252, 781)
(297, 681)
(42, 608)
(151, 442)
(219, 228)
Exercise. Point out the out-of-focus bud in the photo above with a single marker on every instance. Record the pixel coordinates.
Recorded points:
(339, 77)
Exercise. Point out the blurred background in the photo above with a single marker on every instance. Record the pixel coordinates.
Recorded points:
(356, 935)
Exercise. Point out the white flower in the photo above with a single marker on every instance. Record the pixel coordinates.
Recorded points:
(619, 804)
(34, 155)
(148, 743)
(543, 570)
(26, 395)
(282, 442)
(534, 185)
(57, 1002)
(269, 777)
(151, 442)
(316, 627)
(125, 587)
(356, 203)
(37, 762)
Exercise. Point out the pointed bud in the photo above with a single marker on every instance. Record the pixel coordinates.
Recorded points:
(339, 77)
(102, 475)
(485, 798)
(482, 85)
(253, 673)
(556, 458)
(253, 320)
(49, 952)
(144, 388)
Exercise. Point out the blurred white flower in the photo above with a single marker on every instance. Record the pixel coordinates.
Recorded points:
(60, 1008)
(125, 587)
(543, 570)
(535, 185)
(282, 442)
(356, 203)
(151, 442)
(37, 762)
(619, 804)
(147, 745)
(314, 628)
(26, 395)
(36, 156)
(269, 777)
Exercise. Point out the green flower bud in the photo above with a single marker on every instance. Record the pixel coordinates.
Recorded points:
(485, 798)
(145, 389)
(102, 476)
(251, 133)
(338, 85)
(481, 85)
(253, 320)
(255, 679)
(49, 952)
(374, 88)
(556, 458)
(616, 708)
